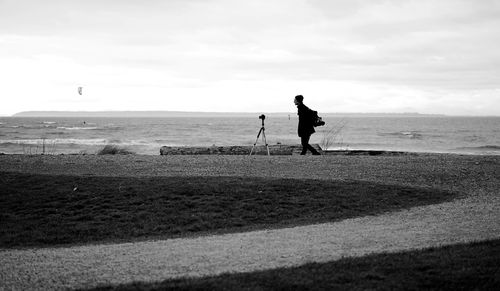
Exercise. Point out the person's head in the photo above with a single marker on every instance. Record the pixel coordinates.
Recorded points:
(298, 99)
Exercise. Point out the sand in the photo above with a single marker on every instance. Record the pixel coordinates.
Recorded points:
(473, 217)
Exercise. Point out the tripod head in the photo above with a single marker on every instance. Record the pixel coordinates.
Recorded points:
(262, 116)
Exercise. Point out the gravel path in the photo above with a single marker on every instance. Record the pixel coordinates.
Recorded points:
(474, 218)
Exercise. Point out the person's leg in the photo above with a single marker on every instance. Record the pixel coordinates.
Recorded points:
(304, 140)
(306, 146)
(313, 150)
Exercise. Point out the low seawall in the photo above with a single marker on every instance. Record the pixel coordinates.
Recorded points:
(275, 150)
(283, 150)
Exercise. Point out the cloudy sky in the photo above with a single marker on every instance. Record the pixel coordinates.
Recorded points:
(231, 55)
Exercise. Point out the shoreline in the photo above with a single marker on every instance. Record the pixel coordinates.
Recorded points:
(275, 150)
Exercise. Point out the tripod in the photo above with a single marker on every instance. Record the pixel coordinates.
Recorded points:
(263, 131)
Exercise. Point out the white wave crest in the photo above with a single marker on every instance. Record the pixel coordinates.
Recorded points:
(77, 128)
(55, 141)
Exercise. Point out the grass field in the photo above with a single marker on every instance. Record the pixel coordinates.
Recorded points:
(47, 210)
(473, 266)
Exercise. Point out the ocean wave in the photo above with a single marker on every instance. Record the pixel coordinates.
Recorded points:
(77, 128)
(38, 141)
(404, 134)
(482, 148)
(138, 142)
(56, 133)
(474, 138)
(49, 122)
(75, 141)
(161, 141)
(111, 127)
(31, 126)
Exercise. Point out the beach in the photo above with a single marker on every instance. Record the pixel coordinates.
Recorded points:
(473, 215)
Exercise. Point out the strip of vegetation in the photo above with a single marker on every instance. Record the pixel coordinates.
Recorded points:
(111, 149)
(460, 267)
(44, 210)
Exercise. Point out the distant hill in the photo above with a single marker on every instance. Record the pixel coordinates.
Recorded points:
(127, 114)
(197, 114)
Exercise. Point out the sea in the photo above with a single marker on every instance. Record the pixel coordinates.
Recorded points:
(146, 135)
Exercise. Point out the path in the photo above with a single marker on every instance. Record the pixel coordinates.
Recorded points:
(87, 266)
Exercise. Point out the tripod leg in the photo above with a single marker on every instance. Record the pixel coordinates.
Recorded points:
(265, 140)
(258, 135)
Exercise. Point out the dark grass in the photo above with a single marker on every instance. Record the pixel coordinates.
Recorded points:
(45, 210)
(473, 266)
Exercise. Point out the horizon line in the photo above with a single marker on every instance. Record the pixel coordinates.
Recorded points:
(81, 113)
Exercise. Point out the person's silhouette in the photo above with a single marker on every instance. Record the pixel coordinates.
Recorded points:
(306, 127)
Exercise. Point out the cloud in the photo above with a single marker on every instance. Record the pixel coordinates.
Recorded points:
(367, 50)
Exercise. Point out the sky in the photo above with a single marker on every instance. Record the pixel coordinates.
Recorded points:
(390, 56)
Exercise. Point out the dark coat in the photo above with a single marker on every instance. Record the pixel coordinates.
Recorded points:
(306, 127)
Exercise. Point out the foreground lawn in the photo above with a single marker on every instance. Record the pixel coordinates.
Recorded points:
(459, 267)
(44, 210)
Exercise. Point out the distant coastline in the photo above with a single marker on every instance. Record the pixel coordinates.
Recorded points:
(199, 114)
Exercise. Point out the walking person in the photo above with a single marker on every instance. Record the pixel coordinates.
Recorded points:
(306, 125)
